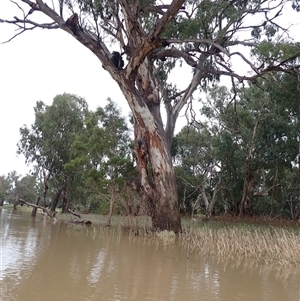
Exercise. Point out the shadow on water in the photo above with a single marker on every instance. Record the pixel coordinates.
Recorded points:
(65, 262)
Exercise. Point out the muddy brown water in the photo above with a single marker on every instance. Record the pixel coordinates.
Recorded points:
(62, 262)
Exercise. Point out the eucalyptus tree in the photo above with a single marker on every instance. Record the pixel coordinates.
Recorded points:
(47, 143)
(103, 158)
(17, 187)
(270, 133)
(258, 138)
(157, 37)
(197, 166)
(285, 146)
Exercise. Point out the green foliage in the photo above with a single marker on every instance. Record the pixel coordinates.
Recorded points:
(87, 153)
(14, 186)
(258, 138)
(195, 159)
(253, 137)
(103, 155)
(48, 142)
(272, 53)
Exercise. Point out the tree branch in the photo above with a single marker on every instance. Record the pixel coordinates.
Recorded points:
(48, 212)
(163, 22)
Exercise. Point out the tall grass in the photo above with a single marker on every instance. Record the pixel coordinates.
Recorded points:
(264, 245)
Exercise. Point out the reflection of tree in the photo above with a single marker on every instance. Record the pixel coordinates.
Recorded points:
(97, 269)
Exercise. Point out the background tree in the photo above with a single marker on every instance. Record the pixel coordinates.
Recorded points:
(257, 142)
(103, 158)
(48, 142)
(156, 37)
(4, 189)
(196, 169)
(20, 187)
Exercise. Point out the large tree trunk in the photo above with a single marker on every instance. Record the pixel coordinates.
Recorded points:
(156, 176)
(248, 177)
(157, 182)
(166, 213)
(65, 205)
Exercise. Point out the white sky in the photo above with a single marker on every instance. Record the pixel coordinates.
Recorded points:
(38, 65)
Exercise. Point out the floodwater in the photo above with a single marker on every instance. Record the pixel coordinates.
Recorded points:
(62, 262)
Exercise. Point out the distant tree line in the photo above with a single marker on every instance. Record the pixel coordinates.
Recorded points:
(244, 158)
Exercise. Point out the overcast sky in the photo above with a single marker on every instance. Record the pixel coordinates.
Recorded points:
(38, 65)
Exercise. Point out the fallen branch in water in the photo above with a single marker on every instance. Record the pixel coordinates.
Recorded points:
(78, 219)
(45, 210)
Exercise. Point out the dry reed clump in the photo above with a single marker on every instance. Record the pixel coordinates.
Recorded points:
(276, 246)
(166, 237)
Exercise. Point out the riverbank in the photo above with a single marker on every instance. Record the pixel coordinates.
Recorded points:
(199, 221)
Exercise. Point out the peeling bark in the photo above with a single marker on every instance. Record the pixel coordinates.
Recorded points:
(157, 182)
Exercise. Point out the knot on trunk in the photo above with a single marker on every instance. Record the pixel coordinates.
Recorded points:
(141, 148)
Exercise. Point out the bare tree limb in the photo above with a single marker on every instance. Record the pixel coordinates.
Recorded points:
(47, 211)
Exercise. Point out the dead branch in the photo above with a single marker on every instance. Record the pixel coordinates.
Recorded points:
(74, 213)
(78, 219)
(45, 210)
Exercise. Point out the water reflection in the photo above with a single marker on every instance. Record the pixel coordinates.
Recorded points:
(65, 262)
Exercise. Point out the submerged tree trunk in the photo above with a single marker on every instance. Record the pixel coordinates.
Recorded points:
(55, 200)
(16, 203)
(78, 219)
(111, 208)
(34, 209)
